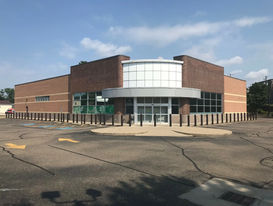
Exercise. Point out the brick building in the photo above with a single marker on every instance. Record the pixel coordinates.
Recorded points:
(118, 85)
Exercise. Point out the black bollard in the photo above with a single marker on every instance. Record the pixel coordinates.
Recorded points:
(95, 118)
(222, 116)
(73, 118)
(217, 118)
(207, 119)
(170, 116)
(81, 118)
(154, 120)
(212, 121)
(113, 120)
(201, 119)
(189, 123)
(180, 119)
(130, 120)
(77, 118)
(91, 119)
(141, 120)
(121, 118)
(230, 115)
(195, 120)
(67, 117)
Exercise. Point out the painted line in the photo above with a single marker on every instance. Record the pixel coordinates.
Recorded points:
(28, 124)
(14, 146)
(8, 189)
(66, 128)
(46, 126)
(69, 140)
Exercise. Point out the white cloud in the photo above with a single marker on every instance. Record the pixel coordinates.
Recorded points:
(247, 21)
(164, 34)
(200, 52)
(104, 49)
(257, 76)
(68, 51)
(227, 62)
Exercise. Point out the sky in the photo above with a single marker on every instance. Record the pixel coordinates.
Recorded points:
(42, 38)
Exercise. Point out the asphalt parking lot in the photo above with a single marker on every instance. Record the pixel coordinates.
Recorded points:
(47, 163)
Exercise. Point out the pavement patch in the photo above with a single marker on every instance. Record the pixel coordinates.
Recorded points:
(213, 191)
(31, 124)
(66, 128)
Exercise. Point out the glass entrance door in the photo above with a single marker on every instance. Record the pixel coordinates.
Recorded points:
(149, 110)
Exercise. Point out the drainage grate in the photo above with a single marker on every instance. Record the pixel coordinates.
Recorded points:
(238, 198)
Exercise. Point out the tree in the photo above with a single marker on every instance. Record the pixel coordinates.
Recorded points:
(7, 94)
(83, 62)
(257, 96)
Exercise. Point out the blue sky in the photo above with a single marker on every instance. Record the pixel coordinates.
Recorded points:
(43, 38)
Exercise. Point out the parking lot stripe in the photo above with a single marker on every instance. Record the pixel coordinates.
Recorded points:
(14, 146)
(69, 140)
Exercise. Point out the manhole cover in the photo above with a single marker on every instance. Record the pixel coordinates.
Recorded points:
(238, 198)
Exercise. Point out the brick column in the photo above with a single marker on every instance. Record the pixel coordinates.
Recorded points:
(119, 104)
(184, 106)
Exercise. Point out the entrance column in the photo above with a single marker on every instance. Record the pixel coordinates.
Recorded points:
(184, 106)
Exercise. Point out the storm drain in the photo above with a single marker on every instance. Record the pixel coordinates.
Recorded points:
(238, 198)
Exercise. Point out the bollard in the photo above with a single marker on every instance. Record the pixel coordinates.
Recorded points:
(244, 116)
(207, 119)
(67, 117)
(256, 115)
(180, 120)
(16, 115)
(45, 116)
(73, 118)
(104, 119)
(189, 120)
(49, 116)
(25, 114)
(217, 118)
(121, 118)
(154, 120)
(63, 117)
(28, 116)
(19, 115)
(230, 117)
(81, 118)
(129, 120)
(238, 117)
(234, 116)
(195, 120)
(141, 120)
(42, 116)
(77, 118)
(38, 117)
(201, 119)
(58, 117)
(34, 116)
(170, 120)
(95, 118)
(212, 121)
(113, 120)
(222, 116)
(253, 116)
(6, 115)
(91, 119)
(100, 118)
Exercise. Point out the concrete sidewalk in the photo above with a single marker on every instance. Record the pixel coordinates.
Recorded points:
(162, 130)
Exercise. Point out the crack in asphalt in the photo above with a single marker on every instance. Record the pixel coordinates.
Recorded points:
(124, 166)
(257, 145)
(13, 156)
(21, 136)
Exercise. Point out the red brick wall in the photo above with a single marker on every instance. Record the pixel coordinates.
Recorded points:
(201, 75)
(234, 95)
(57, 88)
(97, 75)
(119, 104)
(184, 106)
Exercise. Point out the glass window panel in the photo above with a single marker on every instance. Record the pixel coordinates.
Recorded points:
(140, 110)
(156, 83)
(99, 94)
(165, 67)
(140, 84)
(213, 109)
(202, 95)
(132, 67)
(76, 103)
(178, 67)
(165, 75)
(172, 67)
(193, 101)
(172, 76)
(109, 109)
(76, 109)
(140, 75)
(164, 110)
(83, 95)
(138, 117)
(164, 100)
(164, 83)
(132, 83)
(172, 84)
(126, 84)
(148, 110)
(99, 109)
(148, 66)
(91, 109)
(148, 100)
(129, 109)
(207, 95)
(126, 76)
(140, 66)
(200, 101)
(129, 101)
(157, 110)
(156, 100)
(207, 109)
(125, 67)
(148, 75)
(213, 96)
(213, 102)
(83, 109)
(175, 109)
(148, 118)
(219, 96)
(200, 108)
(219, 109)
(179, 77)
(140, 100)
(164, 118)
(83, 102)
(132, 76)
(157, 75)
(175, 101)
(100, 101)
(109, 101)
(157, 66)
(178, 84)
(91, 95)
(207, 102)
(192, 109)
(149, 83)
(77, 96)
(219, 103)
